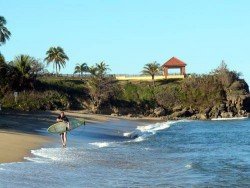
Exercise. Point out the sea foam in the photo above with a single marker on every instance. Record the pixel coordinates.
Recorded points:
(101, 144)
(144, 132)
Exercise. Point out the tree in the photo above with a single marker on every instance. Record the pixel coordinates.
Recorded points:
(37, 67)
(93, 70)
(3, 71)
(81, 68)
(57, 56)
(224, 75)
(101, 88)
(23, 64)
(151, 69)
(102, 68)
(99, 70)
(10, 78)
(2, 59)
(4, 32)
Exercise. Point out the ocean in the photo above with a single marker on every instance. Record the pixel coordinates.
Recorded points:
(140, 154)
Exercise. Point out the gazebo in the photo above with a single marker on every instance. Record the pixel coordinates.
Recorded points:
(174, 63)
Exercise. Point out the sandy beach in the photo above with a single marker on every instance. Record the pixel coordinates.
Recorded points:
(19, 131)
(15, 146)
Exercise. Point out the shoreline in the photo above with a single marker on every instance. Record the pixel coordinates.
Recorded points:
(20, 131)
(15, 146)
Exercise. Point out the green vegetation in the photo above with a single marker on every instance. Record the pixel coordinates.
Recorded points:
(152, 69)
(100, 87)
(99, 91)
(81, 68)
(57, 56)
(4, 32)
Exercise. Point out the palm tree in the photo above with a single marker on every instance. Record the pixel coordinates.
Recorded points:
(93, 71)
(23, 63)
(2, 59)
(151, 69)
(99, 70)
(81, 68)
(57, 56)
(102, 68)
(4, 32)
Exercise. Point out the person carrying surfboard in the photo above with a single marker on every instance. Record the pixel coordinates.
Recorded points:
(63, 118)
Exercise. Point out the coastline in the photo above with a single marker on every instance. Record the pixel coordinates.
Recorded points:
(15, 146)
(20, 132)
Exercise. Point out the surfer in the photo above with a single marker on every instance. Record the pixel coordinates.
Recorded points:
(63, 135)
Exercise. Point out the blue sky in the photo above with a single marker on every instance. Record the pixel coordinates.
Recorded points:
(127, 34)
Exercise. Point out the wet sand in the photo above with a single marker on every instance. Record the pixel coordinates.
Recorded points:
(20, 131)
(15, 146)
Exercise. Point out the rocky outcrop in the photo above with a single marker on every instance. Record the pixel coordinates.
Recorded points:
(159, 112)
(186, 112)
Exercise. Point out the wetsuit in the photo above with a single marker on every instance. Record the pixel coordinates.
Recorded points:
(64, 119)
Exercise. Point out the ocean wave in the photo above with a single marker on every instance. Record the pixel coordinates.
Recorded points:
(101, 144)
(188, 166)
(36, 159)
(51, 154)
(224, 119)
(142, 133)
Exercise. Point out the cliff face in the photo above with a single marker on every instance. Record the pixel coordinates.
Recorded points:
(236, 103)
(220, 95)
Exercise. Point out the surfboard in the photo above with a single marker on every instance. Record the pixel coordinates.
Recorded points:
(61, 127)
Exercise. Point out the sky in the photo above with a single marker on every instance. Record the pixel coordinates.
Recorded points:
(127, 34)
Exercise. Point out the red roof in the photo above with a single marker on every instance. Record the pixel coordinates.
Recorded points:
(174, 62)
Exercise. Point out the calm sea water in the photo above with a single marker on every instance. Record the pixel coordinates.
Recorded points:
(124, 154)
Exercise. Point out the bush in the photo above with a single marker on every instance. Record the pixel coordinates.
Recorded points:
(34, 100)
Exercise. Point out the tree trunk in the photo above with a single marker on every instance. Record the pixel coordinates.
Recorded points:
(56, 70)
(153, 79)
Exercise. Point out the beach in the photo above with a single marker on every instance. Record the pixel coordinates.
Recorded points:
(112, 152)
(15, 146)
(20, 132)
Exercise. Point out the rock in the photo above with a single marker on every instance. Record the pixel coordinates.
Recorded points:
(242, 113)
(114, 114)
(184, 113)
(207, 110)
(159, 111)
(131, 115)
(226, 114)
(222, 107)
(124, 110)
(151, 115)
(177, 108)
(201, 116)
(191, 111)
(194, 117)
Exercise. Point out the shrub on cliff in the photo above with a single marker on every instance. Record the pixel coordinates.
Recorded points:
(168, 96)
(101, 88)
(137, 93)
(198, 91)
(34, 100)
(201, 92)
